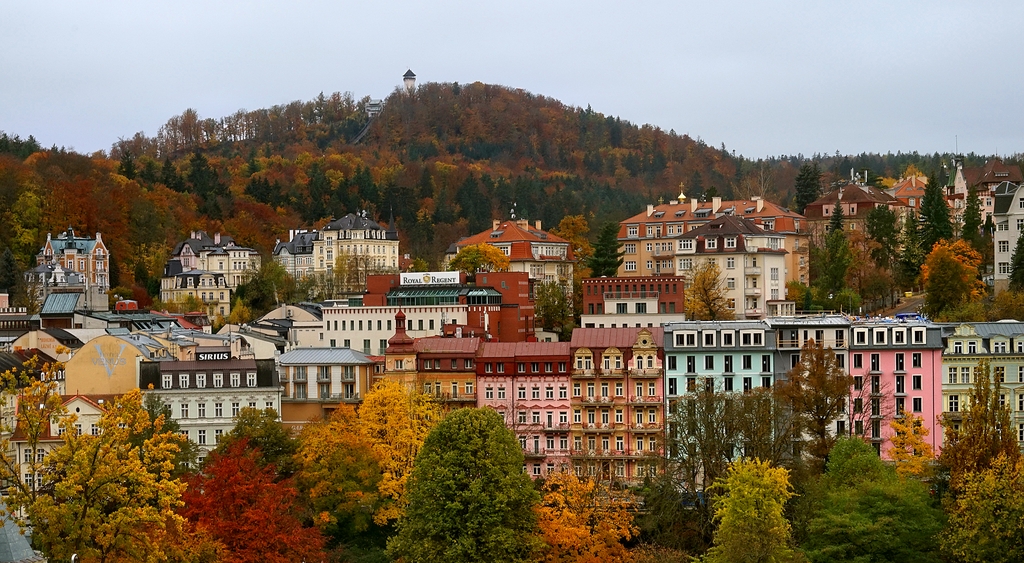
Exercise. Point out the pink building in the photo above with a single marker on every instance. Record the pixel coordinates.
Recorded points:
(528, 383)
(897, 369)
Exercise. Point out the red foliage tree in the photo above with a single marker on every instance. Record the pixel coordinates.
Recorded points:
(238, 503)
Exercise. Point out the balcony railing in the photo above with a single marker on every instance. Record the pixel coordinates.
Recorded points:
(642, 399)
(752, 291)
(631, 295)
(590, 372)
(645, 372)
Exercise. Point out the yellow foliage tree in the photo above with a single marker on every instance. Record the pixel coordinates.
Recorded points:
(910, 451)
(396, 420)
(337, 471)
(480, 257)
(706, 293)
(582, 521)
(110, 497)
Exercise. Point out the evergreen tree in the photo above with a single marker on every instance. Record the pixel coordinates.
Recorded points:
(883, 228)
(1017, 266)
(836, 223)
(10, 273)
(170, 178)
(808, 186)
(972, 220)
(911, 255)
(127, 166)
(936, 224)
(607, 257)
(834, 261)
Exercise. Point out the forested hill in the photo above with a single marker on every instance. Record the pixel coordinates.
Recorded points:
(444, 160)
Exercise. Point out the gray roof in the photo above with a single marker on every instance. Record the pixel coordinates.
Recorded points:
(14, 547)
(301, 243)
(809, 320)
(323, 356)
(716, 325)
(1004, 195)
(60, 304)
(998, 328)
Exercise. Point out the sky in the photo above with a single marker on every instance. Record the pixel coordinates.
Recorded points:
(763, 78)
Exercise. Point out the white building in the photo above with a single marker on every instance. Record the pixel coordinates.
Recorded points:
(1009, 220)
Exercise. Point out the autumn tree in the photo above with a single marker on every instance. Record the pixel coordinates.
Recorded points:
(554, 308)
(582, 520)
(574, 228)
(161, 420)
(481, 257)
(396, 421)
(859, 497)
(956, 280)
(469, 499)
(257, 518)
(105, 498)
(910, 451)
(262, 431)
(985, 519)
(752, 525)
(817, 388)
(339, 475)
(980, 433)
(607, 257)
(706, 294)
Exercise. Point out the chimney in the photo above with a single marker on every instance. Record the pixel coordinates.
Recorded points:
(538, 224)
(693, 205)
(673, 202)
(216, 238)
(716, 203)
(99, 237)
(760, 203)
(650, 209)
(494, 224)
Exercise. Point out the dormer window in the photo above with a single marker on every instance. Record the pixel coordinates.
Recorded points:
(730, 242)
(711, 243)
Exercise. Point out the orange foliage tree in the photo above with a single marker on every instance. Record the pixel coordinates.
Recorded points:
(239, 504)
(950, 277)
(584, 521)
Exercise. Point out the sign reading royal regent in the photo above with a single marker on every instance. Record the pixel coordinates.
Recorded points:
(213, 356)
(430, 278)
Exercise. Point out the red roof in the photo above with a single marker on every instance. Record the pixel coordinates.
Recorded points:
(993, 172)
(624, 337)
(517, 232)
(785, 220)
(516, 349)
(438, 345)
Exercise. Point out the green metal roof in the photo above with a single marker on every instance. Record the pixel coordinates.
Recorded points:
(60, 304)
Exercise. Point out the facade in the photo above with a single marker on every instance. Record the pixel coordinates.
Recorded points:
(1008, 217)
(446, 369)
(649, 239)
(208, 269)
(721, 355)
(206, 395)
(316, 380)
(909, 191)
(542, 255)
(528, 384)
(72, 264)
(857, 201)
(897, 369)
(633, 301)
(617, 402)
(983, 179)
(752, 261)
(354, 242)
(1002, 344)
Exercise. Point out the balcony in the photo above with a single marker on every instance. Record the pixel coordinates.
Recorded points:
(752, 291)
(754, 271)
(645, 372)
(578, 373)
(786, 343)
(753, 312)
(454, 397)
(631, 295)
(639, 399)
(646, 427)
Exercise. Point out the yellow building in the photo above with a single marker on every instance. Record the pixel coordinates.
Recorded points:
(108, 365)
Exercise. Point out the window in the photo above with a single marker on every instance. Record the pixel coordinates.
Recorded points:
(954, 403)
(900, 363)
(876, 362)
(202, 438)
(916, 382)
(168, 380)
(183, 380)
(630, 265)
(917, 404)
(234, 409)
(858, 361)
(1004, 246)
(915, 359)
(201, 380)
(730, 263)
(489, 393)
(218, 410)
(709, 362)
(236, 379)
(250, 379)
(201, 408)
(184, 410)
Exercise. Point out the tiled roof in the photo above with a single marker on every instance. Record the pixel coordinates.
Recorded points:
(323, 356)
(512, 231)
(623, 337)
(516, 349)
(726, 225)
(438, 345)
(352, 222)
(993, 172)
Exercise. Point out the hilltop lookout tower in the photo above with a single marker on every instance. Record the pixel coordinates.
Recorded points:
(410, 80)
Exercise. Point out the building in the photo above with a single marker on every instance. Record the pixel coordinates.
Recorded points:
(633, 301)
(446, 369)
(207, 394)
(720, 355)
(81, 255)
(499, 306)
(207, 269)
(897, 369)
(967, 344)
(528, 384)
(983, 179)
(909, 191)
(351, 248)
(542, 255)
(857, 201)
(649, 239)
(316, 380)
(617, 402)
(752, 261)
(1008, 216)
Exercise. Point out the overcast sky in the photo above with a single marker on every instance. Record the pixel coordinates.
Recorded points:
(765, 78)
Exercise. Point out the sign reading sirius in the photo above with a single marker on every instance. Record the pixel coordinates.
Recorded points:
(213, 356)
(430, 278)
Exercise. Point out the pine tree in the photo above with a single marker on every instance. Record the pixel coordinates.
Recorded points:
(607, 257)
(808, 186)
(1017, 266)
(127, 165)
(972, 220)
(912, 255)
(936, 224)
(10, 273)
(836, 224)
